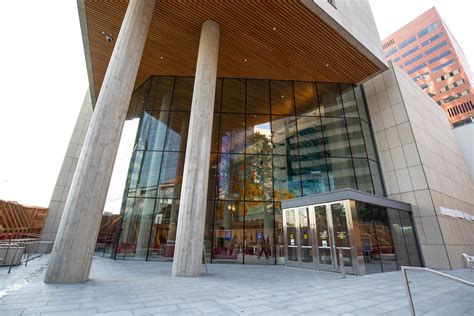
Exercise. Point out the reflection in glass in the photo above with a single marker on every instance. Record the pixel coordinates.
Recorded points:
(163, 232)
(258, 134)
(341, 233)
(258, 96)
(231, 177)
(364, 178)
(349, 101)
(286, 180)
(285, 141)
(306, 239)
(334, 130)
(228, 232)
(322, 229)
(341, 173)
(329, 100)
(305, 98)
(232, 133)
(258, 178)
(259, 240)
(291, 235)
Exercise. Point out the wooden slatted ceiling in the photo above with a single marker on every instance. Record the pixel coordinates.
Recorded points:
(261, 39)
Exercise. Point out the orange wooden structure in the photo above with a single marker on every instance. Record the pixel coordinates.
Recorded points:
(20, 221)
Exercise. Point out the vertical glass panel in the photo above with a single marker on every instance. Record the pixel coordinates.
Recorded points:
(398, 237)
(335, 132)
(148, 174)
(231, 177)
(215, 133)
(161, 94)
(341, 234)
(349, 100)
(279, 242)
(329, 100)
(208, 230)
(356, 138)
(183, 94)
(259, 239)
(171, 175)
(282, 98)
(152, 132)
(369, 143)
(312, 156)
(228, 232)
(364, 178)
(386, 249)
(410, 239)
(134, 172)
(163, 232)
(232, 133)
(362, 109)
(259, 134)
(213, 177)
(258, 178)
(286, 179)
(291, 235)
(368, 237)
(305, 98)
(341, 173)
(306, 238)
(125, 247)
(324, 243)
(177, 131)
(258, 96)
(376, 178)
(284, 138)
(139, 98)
(218, 98)
(233, 96)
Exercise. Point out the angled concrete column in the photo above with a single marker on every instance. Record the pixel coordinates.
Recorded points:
(192, 210)
(74, 246)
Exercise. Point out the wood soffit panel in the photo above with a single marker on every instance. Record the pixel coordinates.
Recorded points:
(271, 39)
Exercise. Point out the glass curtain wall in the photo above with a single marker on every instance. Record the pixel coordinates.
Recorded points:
(271, 141)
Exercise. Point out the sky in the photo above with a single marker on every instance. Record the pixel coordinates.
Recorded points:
(43, 81)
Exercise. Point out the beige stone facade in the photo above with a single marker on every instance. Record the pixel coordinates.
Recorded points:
(422, 165)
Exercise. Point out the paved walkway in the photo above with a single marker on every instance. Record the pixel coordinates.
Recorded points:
(147, 288)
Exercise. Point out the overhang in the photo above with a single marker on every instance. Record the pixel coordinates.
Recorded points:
(271, 39)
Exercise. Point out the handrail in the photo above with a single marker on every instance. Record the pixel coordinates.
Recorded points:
(441, 274)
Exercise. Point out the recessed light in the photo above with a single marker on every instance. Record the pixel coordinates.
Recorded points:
(161, 57)
(327, 65)
(245, 59)
(274, 28)
(282, 96)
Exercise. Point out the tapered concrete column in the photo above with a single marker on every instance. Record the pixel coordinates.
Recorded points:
(77, 234)
(192, 210)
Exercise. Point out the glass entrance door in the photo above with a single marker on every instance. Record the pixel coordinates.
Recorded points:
(340, 216)
(299, 238)
(324, 239)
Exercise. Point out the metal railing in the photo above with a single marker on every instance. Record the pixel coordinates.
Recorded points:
(441, 274)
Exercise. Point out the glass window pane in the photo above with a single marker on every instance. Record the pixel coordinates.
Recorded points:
(258, 96)
(232, 133)
(233, 96)
(341, 231)
(282, 98)
(231, 177)
(376, 178)
(171, 175)
(398, 237)
(410, 239)
(349, 101)
(305, 98)
(183, 94)
(216, 121)
(369, 244)
(356, 138)
(329, 99)
(152, 132)
(362, 109)
(139, 98)
(124, 247)
(364, 178)
(213, 177)
(279, 243)
(259, 239)
(341, 173)
(163, 232)
(218, 98)
(228, 232)
(286, 180)
(369, 142)
(386, 250)
(285, 141)
(177, 131)
(335, 134)
(258, 178)
(147, 168)
(259, 134)
(161, 94)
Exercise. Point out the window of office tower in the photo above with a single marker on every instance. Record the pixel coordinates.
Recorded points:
(271, 141)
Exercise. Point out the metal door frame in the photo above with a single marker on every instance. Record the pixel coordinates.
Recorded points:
(285, 238)
(308, 265)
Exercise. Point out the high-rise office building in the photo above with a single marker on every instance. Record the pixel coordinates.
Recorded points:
(428, 52)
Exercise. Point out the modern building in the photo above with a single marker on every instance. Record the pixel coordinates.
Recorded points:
(289, 141)
(428, 52)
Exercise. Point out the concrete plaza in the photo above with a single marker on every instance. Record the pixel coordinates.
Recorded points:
(147, 288)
